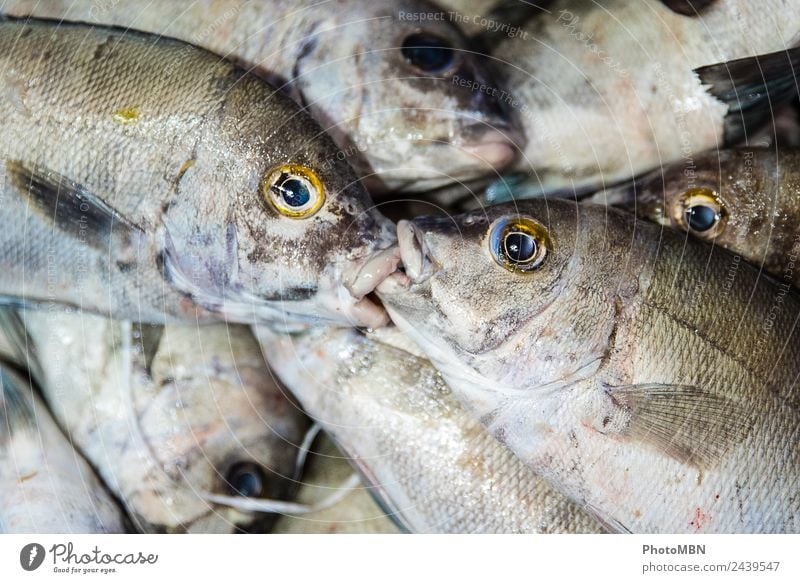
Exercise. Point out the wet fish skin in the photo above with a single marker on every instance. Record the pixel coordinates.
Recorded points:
(46, 487)
(607, 90)
(754, 192)
(647, 376)
(433, 467)
(401, 127)
(136, 164)
(167, 414)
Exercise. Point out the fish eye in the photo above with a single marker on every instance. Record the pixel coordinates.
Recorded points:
(701, 212)
(245, 479)
(428, 52)
(519, 244)
(295, 191)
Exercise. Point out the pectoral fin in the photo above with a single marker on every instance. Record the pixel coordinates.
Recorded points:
(70, 207)
(691, 425)
(752, 88)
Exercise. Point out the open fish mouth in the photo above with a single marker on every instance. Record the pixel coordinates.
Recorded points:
(361, 279)
(415, 257)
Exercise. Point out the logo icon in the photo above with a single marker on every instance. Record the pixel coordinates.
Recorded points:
(31, 556)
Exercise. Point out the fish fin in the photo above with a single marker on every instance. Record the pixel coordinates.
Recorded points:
(16, 414)
(15, 342)
(752, 88)
(611, 525)
(70, 207)
(689, 424)
(687, 7)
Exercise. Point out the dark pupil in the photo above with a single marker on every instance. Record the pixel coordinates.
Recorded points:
(294, 192)
(520, 247)
(701, 218)
(246, 480)
(427, 52)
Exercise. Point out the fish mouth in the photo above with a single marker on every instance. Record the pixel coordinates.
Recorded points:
(415, 257)
(494, 148)
(361, 279)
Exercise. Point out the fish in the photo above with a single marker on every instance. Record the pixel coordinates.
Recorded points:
(380, 76)
(149, 180)
(185, 425)
(433, 468)
(611, 89)
(647, 376)
(745, 200)
(46, 487)
(356, 513)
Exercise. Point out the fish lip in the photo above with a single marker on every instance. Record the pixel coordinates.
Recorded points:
(494, 148)
(363, 276)
(415, 257)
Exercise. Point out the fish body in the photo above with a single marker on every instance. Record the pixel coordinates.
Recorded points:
(147, 179)
(607, 90)
(433, 467)
(746, 200)
(396, 115)
(648, 376)
(169, 415)
(46, 487)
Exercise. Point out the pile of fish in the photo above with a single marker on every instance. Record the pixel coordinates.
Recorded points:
(390, 266)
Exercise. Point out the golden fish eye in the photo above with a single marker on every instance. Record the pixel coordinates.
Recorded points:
(294, 190)
(519, 244)
(700, 212)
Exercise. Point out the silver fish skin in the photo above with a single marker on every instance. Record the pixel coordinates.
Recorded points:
(326, 469)
(168, 415)
(607, 90)
(648, 376)
(403, 127)
(161, 197)
(46, 487)
(433, 467)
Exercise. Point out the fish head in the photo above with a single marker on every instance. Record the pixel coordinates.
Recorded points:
(511, 294)
(723, 197)
(290, 237)
(410, 105)
(218, 425)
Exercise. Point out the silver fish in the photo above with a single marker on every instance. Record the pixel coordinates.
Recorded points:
(432, 466)
(608, 89)
(648, 376)
(378, 75)
(146, 179)
(172, 418)
(46, 487)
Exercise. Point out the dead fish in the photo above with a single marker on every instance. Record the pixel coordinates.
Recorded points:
(609, 89)
(745, 200)
(648, 376)
(46, 487)
(432, 467)
(146, 179)
(356, 513)
(379, 76)
(185, 424)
